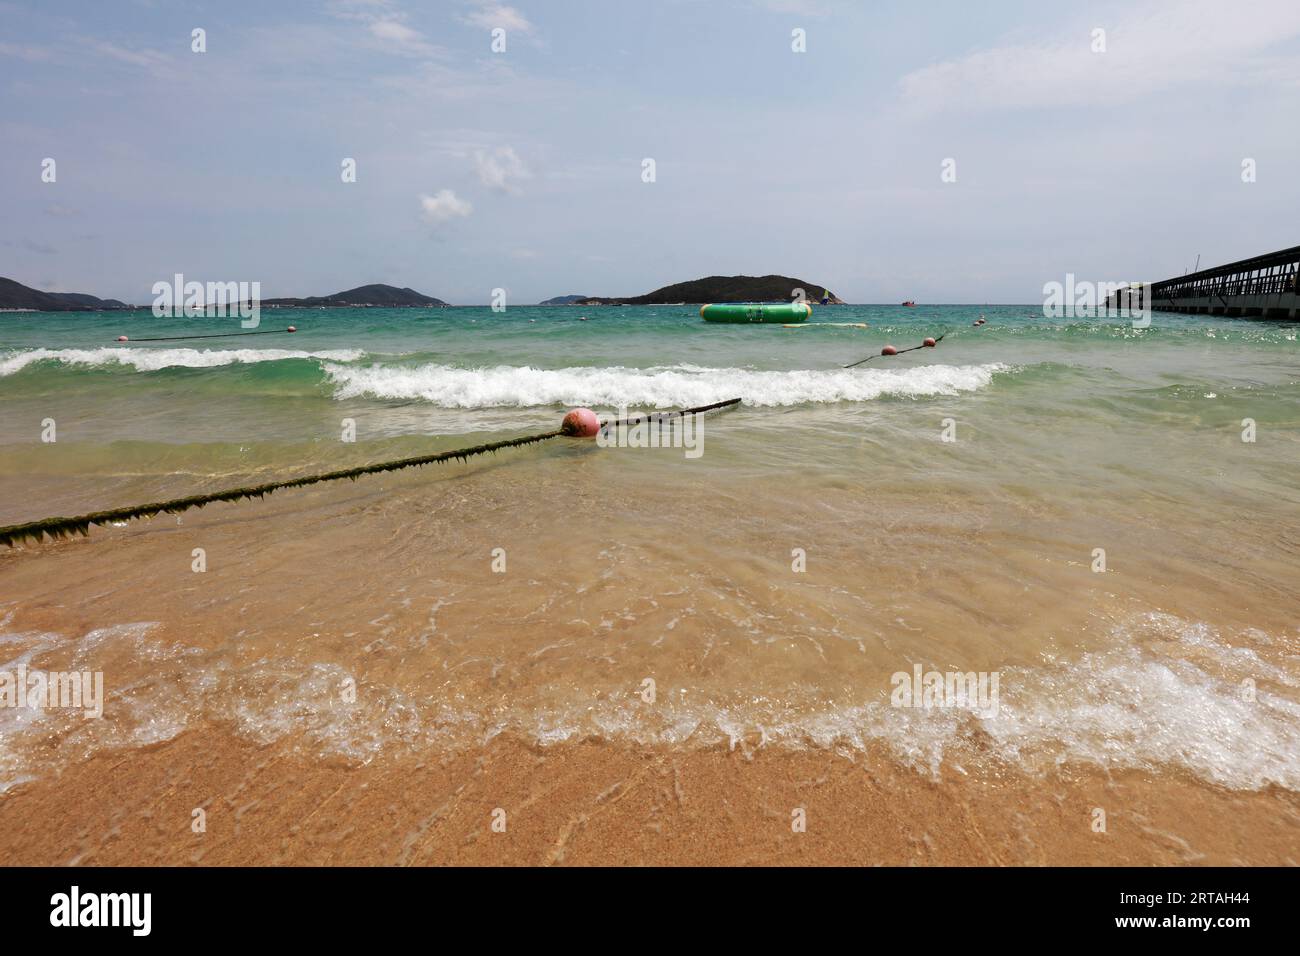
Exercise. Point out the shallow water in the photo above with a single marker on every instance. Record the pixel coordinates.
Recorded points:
(975, 554)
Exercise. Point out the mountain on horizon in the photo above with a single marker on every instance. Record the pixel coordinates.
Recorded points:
(376, 294)
(770, 288)
(563, 300)
(15, 295)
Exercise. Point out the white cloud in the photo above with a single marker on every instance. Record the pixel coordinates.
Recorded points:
(808, 8)
(398, 35)
(392, 30)
(385, 22)
(1164, 46)
(490, 15)
(443, 206)
(33, 54)
(146, 59)
(501, 169)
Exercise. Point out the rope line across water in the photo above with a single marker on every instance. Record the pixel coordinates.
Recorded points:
(60, 527)
(208, 335)
(890, 350)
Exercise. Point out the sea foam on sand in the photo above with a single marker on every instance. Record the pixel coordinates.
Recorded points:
(1164, 693)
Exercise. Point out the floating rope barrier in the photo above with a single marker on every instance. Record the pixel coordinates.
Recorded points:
(666, 416)
(59, 527)
(890, 350)
(209, 335)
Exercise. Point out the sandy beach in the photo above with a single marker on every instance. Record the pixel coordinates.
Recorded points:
(601, 803)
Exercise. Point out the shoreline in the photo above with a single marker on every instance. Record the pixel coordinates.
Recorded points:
(606, 803)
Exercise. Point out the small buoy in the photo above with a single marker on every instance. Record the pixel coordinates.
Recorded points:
(122, 338)
(292, 328)
(928, 343)
(980, 322)
(889, 350)
(580, 423)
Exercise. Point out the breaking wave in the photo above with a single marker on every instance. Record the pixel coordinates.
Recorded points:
(510, 386)
(154, 360)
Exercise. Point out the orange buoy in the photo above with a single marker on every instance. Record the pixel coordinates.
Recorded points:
(580, 423)
(292, 328)
(928, 343)
(122, 338)
(889, 350)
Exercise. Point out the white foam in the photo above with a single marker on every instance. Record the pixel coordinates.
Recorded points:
(1167, 693)
(1162, 693)
(152, 360)
(1143, 705)
(271, 702)
(151, 709)
(510, 386)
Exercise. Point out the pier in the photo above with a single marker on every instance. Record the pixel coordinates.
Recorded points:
(1262, 286)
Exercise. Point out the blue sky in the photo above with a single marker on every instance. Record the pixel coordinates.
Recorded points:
(522, 169)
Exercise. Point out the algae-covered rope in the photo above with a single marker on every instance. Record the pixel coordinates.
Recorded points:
(665, 416)
(64, 527)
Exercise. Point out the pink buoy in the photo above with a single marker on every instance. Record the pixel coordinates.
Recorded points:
(928, 343)
(580, 423)
(122, 338)
(889, 350)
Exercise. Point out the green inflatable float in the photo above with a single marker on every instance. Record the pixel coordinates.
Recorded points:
(746, 312)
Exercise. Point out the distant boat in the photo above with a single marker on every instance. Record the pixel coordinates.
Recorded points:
(910, 304)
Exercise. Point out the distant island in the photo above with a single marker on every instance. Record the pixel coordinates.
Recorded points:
(16, 296)
(382, 296)
(723, 289)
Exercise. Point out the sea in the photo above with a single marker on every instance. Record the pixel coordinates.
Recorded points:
(1094, 522)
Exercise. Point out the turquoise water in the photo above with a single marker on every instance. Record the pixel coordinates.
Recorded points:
(1095, 391)
(454, 363)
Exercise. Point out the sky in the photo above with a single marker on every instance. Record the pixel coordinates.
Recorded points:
(935, 151)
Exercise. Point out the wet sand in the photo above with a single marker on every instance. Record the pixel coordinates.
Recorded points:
(605, 803)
